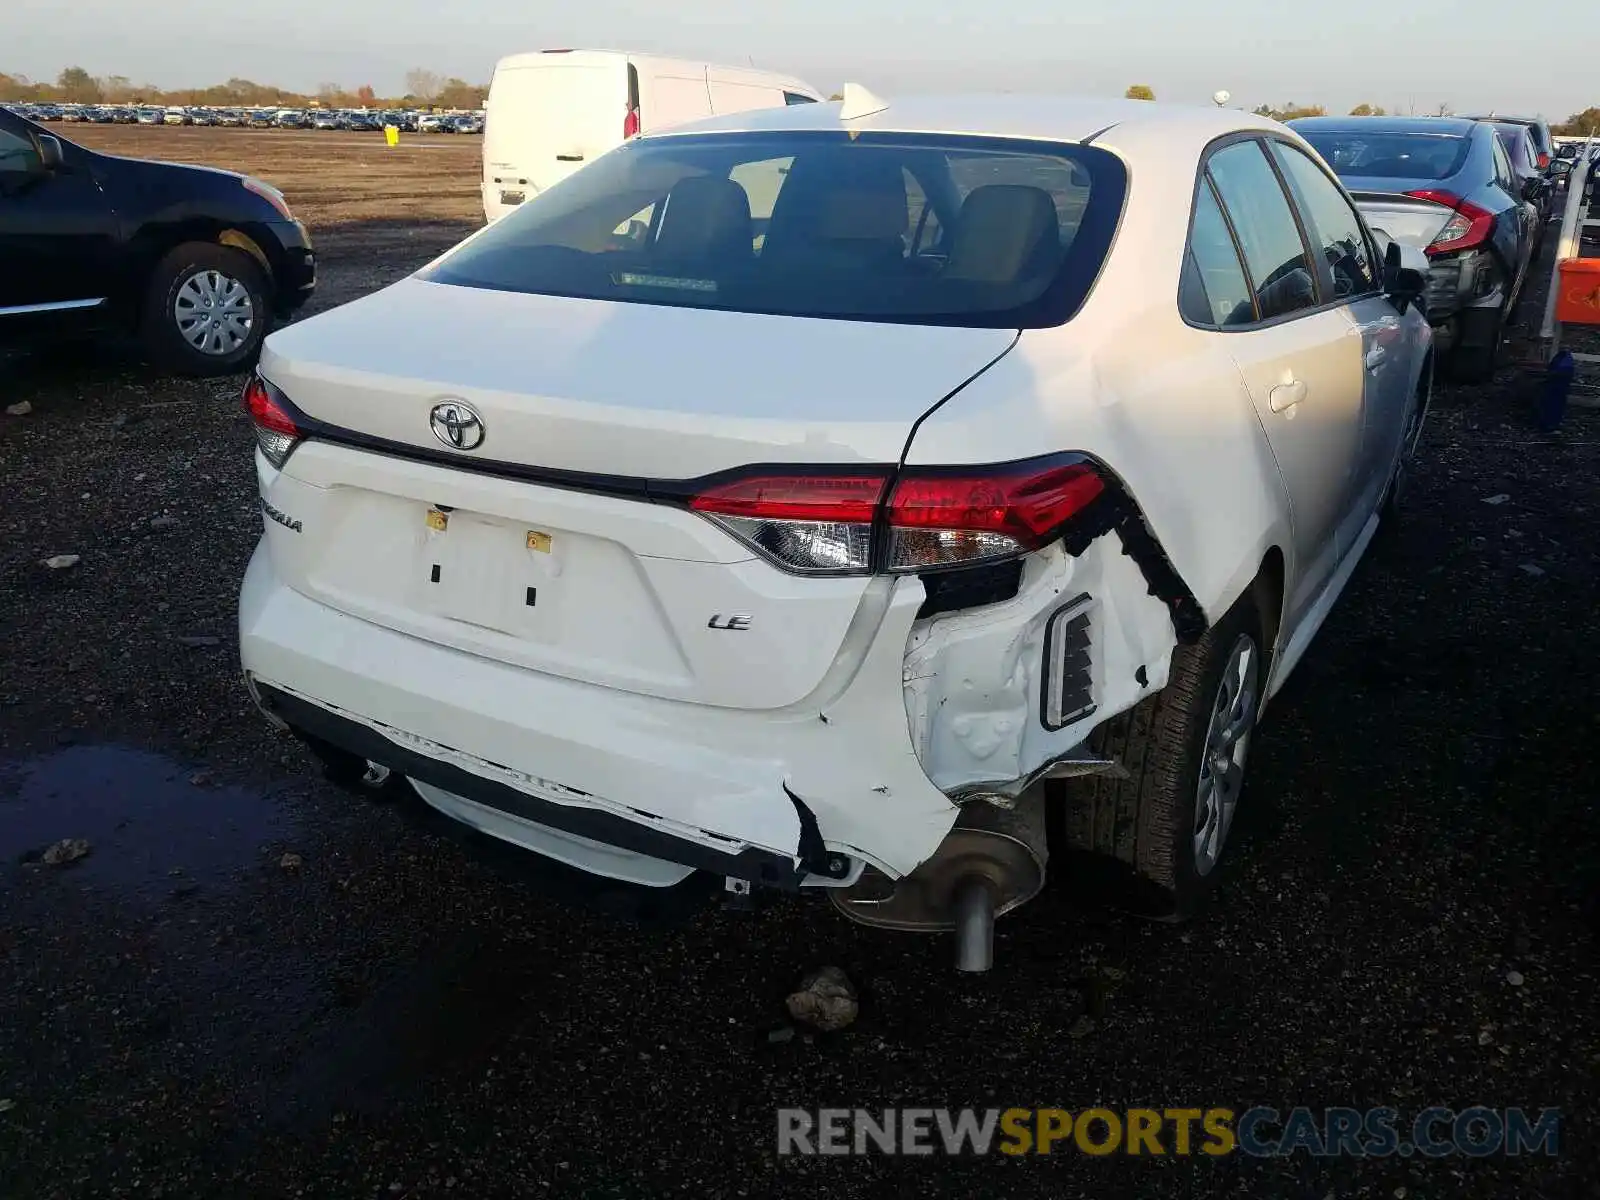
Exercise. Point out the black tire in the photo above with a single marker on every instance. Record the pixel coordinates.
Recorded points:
(163, 338)
(1475, 362)
(1146, 823)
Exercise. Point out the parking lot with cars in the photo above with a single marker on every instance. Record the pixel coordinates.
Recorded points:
(350, 120)
(254, 984)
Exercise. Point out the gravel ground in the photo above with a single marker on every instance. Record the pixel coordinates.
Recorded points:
(254, 985)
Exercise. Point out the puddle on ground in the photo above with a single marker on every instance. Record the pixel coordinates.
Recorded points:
(150, 829)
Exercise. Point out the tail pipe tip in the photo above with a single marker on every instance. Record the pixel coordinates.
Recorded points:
(974, 905)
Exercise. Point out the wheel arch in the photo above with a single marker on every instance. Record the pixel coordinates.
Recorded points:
(1267, 596)
(155, 242)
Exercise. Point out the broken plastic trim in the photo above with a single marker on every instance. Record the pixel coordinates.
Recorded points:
(813, 857)
(1115, 510)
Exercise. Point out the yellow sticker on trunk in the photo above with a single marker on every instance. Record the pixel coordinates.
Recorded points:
(539, 541)
(437, 520)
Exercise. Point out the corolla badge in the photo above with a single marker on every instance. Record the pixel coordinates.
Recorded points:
(456, 425)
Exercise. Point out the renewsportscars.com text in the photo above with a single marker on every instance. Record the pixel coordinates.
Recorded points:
(1261, 1132)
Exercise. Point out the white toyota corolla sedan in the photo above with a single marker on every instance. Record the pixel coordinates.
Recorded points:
(821, 497)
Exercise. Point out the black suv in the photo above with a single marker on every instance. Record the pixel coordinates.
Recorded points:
(195, 260)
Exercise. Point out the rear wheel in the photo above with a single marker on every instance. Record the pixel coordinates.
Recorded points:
(1186, 749)
(206, 310)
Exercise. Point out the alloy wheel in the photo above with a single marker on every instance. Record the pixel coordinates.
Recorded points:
(1233, 714)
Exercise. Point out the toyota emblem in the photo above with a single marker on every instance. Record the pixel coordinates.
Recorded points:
(456, 425)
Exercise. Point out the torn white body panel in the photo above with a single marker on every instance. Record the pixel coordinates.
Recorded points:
(976, 678)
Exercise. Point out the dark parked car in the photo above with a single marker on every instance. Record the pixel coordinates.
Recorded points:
(196, 260)
(1446, 186)
(1538, 133)
(1523, 152)
(262, 120)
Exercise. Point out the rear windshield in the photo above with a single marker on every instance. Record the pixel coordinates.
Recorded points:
(879, 227)
(1390, 155)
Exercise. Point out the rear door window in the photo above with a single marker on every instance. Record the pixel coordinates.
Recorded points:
(1281, 275)
(1503, 174)
(1215, 290)
(923, 229)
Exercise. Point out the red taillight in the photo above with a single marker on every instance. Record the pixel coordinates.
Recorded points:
(796, 497)
(944, 519)
(804, 522)
(934, 518)
(1544, 160)
(276, 432)
(630, 123)
(1468, 226)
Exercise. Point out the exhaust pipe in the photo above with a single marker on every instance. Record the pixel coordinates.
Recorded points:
(991, 862)
(974, 916)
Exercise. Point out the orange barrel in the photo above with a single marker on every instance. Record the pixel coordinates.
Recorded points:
(1578, 297)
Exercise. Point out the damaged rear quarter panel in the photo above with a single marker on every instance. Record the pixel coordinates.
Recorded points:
(1164, 407)
(973, 678)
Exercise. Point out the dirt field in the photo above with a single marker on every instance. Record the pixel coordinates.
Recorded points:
(330, 178)
(1407, 917)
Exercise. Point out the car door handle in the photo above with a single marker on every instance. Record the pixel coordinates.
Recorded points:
(1287, 394)
(1375, 357)
(569, 158)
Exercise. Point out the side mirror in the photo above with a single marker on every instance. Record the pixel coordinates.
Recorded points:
(1404, 285)
(51, 160)
(1532, 189)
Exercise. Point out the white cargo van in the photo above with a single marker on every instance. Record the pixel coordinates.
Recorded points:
(551, 111)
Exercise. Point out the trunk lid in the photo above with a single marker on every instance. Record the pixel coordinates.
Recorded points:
(589, 583)
(1409, 220)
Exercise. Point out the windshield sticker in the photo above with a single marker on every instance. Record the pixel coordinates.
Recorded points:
(632, 279)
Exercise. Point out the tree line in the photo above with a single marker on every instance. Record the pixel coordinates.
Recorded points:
(74, 85)
(1577, 125)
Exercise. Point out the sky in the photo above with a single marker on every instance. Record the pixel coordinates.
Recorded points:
(1409, 54)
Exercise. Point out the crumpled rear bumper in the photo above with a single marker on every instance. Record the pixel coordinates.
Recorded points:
(808, 793)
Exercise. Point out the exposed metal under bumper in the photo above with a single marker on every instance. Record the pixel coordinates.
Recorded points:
(1078, 761)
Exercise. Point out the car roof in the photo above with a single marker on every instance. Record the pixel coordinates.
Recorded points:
(1438, 126)
(1507, 117)
(1042, 118)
